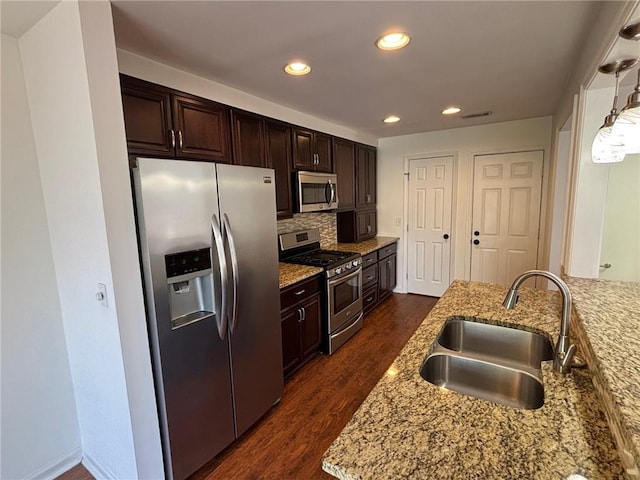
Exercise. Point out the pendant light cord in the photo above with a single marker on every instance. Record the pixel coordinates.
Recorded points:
(614, 109)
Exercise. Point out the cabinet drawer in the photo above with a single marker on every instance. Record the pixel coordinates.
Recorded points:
(299, 291)
(369, 276)
(386, 251)
(369, 298)
(369, 260)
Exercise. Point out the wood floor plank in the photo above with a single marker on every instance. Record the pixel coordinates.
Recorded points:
(318, 401)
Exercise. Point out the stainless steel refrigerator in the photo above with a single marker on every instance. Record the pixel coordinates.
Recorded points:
(209, 256)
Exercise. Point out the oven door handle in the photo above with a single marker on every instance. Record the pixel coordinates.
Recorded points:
(336, 280)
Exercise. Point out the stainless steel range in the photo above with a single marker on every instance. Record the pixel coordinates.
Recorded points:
(342, 316)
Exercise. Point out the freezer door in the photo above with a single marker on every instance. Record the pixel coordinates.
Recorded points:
(248, 209)
(175, 202)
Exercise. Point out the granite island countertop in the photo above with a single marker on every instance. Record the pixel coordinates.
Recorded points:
(409, 428)
(608, 328)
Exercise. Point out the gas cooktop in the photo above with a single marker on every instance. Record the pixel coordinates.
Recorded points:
(322, 258)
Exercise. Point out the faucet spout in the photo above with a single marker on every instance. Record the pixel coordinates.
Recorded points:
(563, 350)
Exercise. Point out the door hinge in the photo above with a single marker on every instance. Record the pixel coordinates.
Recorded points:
(407, 227)
(406, 275)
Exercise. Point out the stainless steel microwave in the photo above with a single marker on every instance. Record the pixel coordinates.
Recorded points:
(317, 191)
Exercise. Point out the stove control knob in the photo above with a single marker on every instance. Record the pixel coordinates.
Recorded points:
(338, 271)
(356, 262)
(348, 266)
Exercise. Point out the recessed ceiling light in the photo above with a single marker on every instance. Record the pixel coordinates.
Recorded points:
(297, 68)
(392, 119)
(393, 41)
(451, 110)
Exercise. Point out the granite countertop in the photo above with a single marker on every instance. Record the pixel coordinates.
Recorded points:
(409, 428)
(290, 273)
(609, 331)
(365, 247)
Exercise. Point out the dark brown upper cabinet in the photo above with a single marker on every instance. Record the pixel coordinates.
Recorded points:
(278, 151)
(344, 162)
(366, 174)
(147, 118)
(248, 138)
(162, 122)
(312, 151)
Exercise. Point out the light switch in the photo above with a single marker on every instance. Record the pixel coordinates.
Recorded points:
(398, 221)
(101, 295)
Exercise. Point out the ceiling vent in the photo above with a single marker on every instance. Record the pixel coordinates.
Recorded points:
(486, 113)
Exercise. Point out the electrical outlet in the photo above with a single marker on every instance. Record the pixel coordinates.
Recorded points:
(101, 295)
(398, 221)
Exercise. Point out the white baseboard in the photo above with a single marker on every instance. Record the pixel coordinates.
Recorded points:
(58, 467)
(96, 469)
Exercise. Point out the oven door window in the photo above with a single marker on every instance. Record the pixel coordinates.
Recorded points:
(345, 293)
(314, 193)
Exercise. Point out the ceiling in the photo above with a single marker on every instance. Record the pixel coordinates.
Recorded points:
(513, 58)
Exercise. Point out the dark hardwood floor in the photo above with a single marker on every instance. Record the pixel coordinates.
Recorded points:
(318, 401)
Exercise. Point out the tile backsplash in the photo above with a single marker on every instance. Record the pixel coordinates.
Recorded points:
(326, 222)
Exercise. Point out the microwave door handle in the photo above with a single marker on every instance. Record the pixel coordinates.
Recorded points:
(334, 197)
(234, 270)
(327, 192)
(218, 246)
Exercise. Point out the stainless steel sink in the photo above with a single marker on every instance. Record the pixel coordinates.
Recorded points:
(491, 362)
(499, 342)
(496, 383)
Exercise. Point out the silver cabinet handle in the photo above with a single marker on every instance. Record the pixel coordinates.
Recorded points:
(179, 138)
(300, 292)
(218, 244)
(304, 314)
(234, 269)
(369, 277)
(368, 198)
(299, 315)
(172, 135)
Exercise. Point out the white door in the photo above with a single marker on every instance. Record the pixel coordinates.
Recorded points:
(429, 232)
(506, 214)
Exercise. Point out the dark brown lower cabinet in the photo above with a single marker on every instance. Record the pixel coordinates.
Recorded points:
(356, 225)
(378, 276)
(301, 311)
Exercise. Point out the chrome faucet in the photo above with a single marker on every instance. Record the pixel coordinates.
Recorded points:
(563, 354)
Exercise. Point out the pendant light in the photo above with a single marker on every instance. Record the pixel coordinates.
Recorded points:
(627, 125)
(606, 147)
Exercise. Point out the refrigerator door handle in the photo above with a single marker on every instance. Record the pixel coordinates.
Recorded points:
(234, 270)
(221, 312)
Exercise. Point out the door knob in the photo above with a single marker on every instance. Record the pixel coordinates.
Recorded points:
(476, 242)
(446, 236)
(476, 233)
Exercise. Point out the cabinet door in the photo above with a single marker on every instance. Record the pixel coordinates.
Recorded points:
(366, 173)
(365, 225)
(247, 133)
(386, 276)
(323, 153)
(345, 167)
(147, 118)
(278, 136)
(290, 327)
(202, 129)
(303, 149)
(310, 331)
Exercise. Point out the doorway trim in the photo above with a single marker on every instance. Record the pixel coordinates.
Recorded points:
(405, 208)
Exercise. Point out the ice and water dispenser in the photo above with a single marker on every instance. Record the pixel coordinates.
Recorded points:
(190, 286)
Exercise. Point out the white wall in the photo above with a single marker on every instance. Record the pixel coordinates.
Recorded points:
(621, 236)
(141, 67)
(558, 206)
(40, 430)
(61, 111)
(590, 189)
(464, 143)
(113, 167)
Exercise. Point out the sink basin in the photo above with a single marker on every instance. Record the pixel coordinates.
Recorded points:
(493, 382)
(495, 363)
(498, 342)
